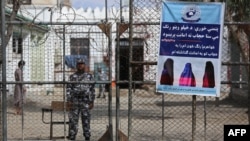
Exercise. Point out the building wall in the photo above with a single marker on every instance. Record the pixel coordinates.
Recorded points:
(51, 2)
(40, 13)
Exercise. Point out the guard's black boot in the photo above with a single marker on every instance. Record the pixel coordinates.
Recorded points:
(72, 138)
(87, 139)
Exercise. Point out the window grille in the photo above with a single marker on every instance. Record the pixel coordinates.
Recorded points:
(79, 46)
(17, 45)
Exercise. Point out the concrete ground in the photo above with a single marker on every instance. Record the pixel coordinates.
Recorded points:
(147, 123)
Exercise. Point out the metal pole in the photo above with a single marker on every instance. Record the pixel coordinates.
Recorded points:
(22, 90)
(121, 20)
(106, 11)
(64, 93)
(4, 90)
(117, 56)
(130, 68)
(110, 77)
(163, 115)
(193, 117)
(205, 118)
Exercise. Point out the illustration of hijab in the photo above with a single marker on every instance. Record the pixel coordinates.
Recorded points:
(167, 75)
(208, 78)
(187, 77)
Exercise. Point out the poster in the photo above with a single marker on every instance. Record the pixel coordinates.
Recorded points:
(189, 61)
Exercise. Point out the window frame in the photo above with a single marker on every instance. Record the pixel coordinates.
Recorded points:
(80, 46)
(17, 44)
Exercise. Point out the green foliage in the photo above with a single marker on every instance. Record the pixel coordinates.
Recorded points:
(240, 9)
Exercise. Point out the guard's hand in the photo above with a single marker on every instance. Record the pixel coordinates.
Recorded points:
(69, 105)
(91, 105)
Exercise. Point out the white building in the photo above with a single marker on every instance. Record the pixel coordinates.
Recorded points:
(43, 49)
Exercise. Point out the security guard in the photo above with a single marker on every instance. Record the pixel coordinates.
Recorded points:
(81, 97)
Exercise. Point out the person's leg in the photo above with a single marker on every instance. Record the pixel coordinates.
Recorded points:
(73, 123)
(103, 90)
(18, 108)
(85, 115)
(100, 89)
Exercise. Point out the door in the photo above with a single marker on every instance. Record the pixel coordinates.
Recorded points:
(137, 70)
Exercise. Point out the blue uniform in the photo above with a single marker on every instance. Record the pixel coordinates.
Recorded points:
(80, 96)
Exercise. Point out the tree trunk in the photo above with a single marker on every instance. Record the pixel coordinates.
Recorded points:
(9, 32)
(15, 8)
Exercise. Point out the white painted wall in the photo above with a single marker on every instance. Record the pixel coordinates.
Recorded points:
(52, 13)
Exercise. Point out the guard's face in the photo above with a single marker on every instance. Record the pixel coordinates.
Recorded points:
(21, 66)
(80, 66)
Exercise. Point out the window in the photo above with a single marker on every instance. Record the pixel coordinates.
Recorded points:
(17, 45)
(24, 2)
(79, 46)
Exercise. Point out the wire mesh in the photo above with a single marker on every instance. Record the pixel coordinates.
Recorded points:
(137, 110)
(47, 63)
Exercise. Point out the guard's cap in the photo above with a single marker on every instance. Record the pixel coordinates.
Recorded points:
(80, 61)
(21, 62)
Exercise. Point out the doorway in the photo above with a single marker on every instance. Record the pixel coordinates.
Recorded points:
(137, 55)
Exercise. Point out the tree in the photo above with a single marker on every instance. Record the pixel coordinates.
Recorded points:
(239, 11)
(15, 8)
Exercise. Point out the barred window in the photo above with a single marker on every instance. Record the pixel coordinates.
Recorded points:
(17, 45)
(79, 46)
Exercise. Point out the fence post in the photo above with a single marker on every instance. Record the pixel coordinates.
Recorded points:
(193, 117)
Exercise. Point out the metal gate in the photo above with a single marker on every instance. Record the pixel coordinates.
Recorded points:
(127, 50)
